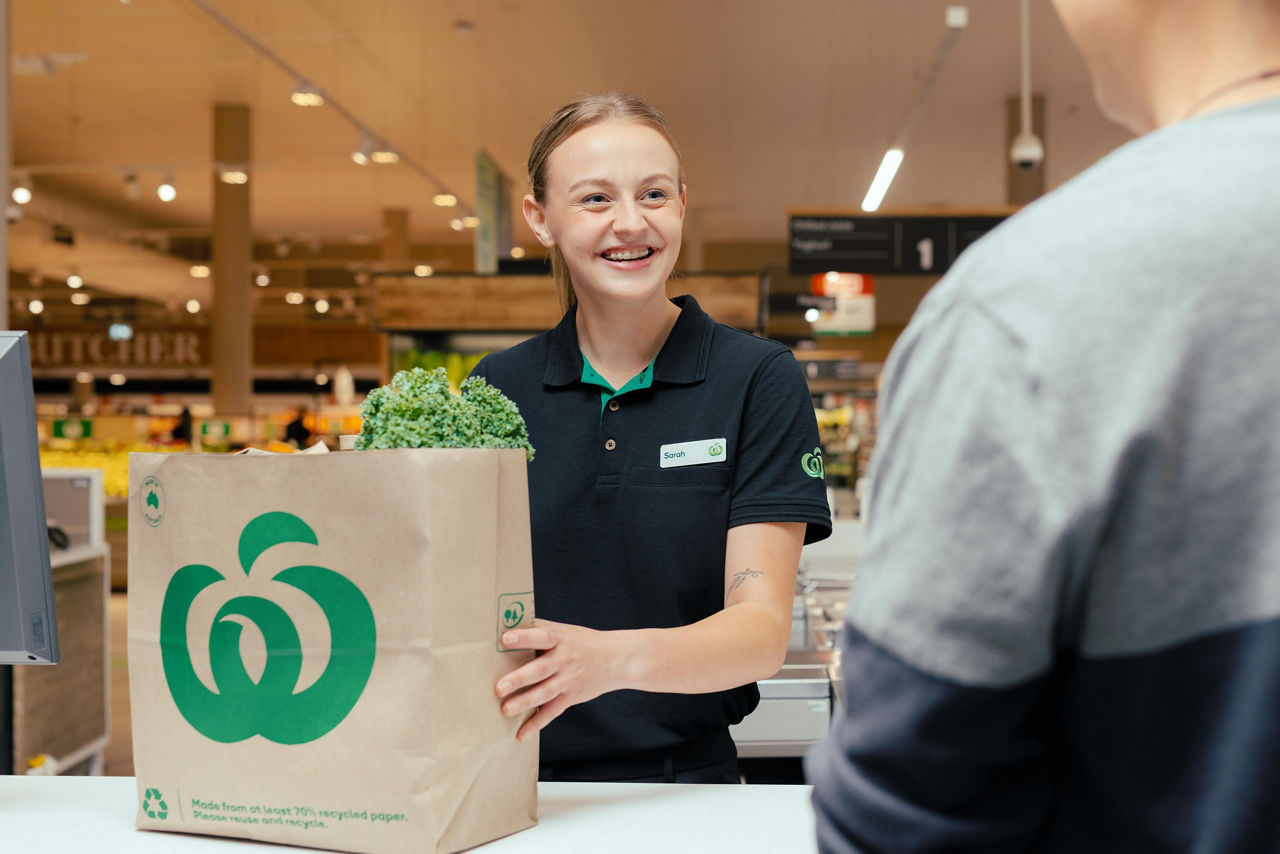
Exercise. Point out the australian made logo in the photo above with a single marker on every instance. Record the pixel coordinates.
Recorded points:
(269, 706)
(151, 500)
(812, 463)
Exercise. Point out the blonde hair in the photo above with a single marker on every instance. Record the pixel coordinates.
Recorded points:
(564, 123)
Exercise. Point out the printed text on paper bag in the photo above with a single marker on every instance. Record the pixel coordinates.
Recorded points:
(304, 817)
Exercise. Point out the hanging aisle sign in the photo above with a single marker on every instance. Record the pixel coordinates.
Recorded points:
(854, 308)
(885, 245)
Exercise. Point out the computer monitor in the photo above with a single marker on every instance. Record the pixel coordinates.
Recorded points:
(28, 627)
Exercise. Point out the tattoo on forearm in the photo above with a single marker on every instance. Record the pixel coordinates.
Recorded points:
(739, 578)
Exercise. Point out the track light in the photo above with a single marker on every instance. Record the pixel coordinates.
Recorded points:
(456, 224)
(307, 94)
(262, 280)
(322, 306)
(200, 271)
(957, 19)
(35, 307)
(383, 153)
(471, 222)
(21, 192)
(233, 176)
(167, 191)
(74, 281)
(444, 200)
(193, 306)
(293, 298)
(363, 151)
(423, 270)
(80, 298)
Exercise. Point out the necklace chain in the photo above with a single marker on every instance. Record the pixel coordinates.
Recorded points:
(1213, 96)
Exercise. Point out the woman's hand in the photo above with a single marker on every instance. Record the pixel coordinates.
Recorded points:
(573, 665)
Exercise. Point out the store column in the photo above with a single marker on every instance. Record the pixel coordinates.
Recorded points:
(395, 237)
(232, 249)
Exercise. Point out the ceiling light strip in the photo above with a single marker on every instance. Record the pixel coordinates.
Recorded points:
(957, 20)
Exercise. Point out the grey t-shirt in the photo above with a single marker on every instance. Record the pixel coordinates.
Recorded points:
(1065, 633)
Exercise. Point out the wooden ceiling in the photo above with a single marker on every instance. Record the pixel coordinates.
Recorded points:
(777, 105)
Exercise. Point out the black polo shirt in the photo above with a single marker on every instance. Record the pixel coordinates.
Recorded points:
(622, 541)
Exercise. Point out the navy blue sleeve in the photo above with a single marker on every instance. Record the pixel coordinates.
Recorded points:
(918, 764)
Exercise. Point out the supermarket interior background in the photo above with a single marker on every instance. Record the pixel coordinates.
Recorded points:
(363, 165)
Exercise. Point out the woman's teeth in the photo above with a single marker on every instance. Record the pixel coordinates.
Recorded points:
(628, 254)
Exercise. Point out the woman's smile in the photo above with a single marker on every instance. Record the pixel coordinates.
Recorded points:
(629, 257)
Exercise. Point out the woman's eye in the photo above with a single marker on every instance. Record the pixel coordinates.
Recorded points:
(655, 196)
(595, 199)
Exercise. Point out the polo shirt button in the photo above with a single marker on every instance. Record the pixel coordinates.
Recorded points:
(614, 405)
(609, 445)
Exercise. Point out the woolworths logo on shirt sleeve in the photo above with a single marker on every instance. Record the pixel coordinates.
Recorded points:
(812, 463)
(270, 707)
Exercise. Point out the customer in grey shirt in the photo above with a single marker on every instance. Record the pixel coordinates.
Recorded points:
(1065, 633)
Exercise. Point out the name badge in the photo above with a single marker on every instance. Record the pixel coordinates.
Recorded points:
(694, 453)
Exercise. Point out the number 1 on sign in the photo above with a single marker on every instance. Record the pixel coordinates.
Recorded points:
(925, 248)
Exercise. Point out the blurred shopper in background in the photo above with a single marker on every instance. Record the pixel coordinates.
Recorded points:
(296, 432)
(669, 497)
(182, 431)
(1065, 633)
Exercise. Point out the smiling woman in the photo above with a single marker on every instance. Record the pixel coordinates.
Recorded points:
(567, 122)
(668, 497)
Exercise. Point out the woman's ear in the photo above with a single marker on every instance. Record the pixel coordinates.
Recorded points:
(537, 219)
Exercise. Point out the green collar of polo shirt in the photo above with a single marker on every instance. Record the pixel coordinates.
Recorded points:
(644, 379)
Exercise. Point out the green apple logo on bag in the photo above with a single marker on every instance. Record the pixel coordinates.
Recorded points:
(270, 707)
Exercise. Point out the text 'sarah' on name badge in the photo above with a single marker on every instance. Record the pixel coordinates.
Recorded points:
(694, 453)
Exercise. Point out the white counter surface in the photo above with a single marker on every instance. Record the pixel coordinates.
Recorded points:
(70, 815)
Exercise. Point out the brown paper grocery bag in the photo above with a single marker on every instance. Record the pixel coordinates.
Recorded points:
(313, 644)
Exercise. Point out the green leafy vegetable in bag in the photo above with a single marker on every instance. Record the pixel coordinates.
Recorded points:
(417, 409)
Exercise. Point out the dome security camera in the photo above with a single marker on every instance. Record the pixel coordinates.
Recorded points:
(1027, 151)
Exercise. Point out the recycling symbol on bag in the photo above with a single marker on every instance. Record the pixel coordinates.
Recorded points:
(161, 810)
(270, 707)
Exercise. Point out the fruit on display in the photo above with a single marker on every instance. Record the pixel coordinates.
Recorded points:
(111, 458)
(456, 365)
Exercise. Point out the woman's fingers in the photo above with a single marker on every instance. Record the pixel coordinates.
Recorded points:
(522, 677)
(540, 694)
(545, 715)
(539, 636)
(535, 671)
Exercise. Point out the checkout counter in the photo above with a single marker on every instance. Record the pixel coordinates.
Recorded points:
(70, 815)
